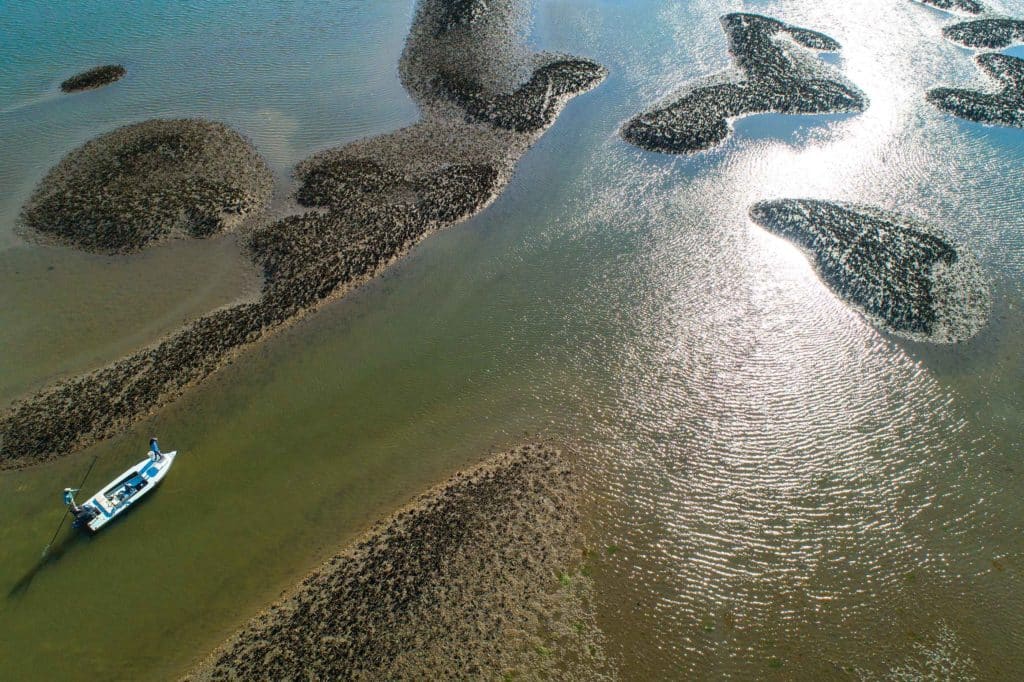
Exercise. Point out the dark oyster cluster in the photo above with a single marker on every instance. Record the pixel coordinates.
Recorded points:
(94, 78)
(372, 201)
(1000, 107)
(458, 13)
(530, 107)
(306, 259)
(966, 6)
(903, 275)
(448, 588)
(993, 34)
(1005, 107)
(145, 181)
(772, 77)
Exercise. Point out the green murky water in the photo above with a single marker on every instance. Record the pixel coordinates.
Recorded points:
(788, 491)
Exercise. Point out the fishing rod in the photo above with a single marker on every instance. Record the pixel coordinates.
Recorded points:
(66, 511)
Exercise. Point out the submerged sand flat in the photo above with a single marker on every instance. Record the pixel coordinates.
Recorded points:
(476, 579)
(772, 74)
(484, 101)
(906, 277)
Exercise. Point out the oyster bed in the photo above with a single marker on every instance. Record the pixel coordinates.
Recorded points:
(967, 6)
(1005, 107)
(531, 106)
(142, 182)
(994, 34)
(476, 579)
(772, 75)
(94, 78)
(373, 200)
(902, 275)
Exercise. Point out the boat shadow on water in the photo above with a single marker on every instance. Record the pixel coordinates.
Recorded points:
(70, 540)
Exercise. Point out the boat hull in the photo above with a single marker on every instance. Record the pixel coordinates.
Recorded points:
(124, 492)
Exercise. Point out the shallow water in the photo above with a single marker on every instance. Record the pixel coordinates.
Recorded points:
(98, 308)
(774, 486)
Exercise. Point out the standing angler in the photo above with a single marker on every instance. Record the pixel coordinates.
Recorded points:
(155, 449)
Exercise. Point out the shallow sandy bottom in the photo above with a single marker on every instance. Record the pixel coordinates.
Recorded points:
(99, 308)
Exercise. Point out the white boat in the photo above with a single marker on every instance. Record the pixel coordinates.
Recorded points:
(124, 491)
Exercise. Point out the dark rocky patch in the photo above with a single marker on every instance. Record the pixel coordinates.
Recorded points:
(966, 6)
(145, 181)
(94, 78)
(346, 181)
(373, 200)
(901, 274)
(459, 13)
(771, 76)
(1005, 107)
(534, 104)
(475, 579)
(340, 181)
(477, 41)
(994, 34)
(61, 419)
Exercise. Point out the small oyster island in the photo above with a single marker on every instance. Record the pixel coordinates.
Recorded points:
(96, 77)
(1003, 107)
(143, 182)
(772, 75)
(993, 34)
(902, 275)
